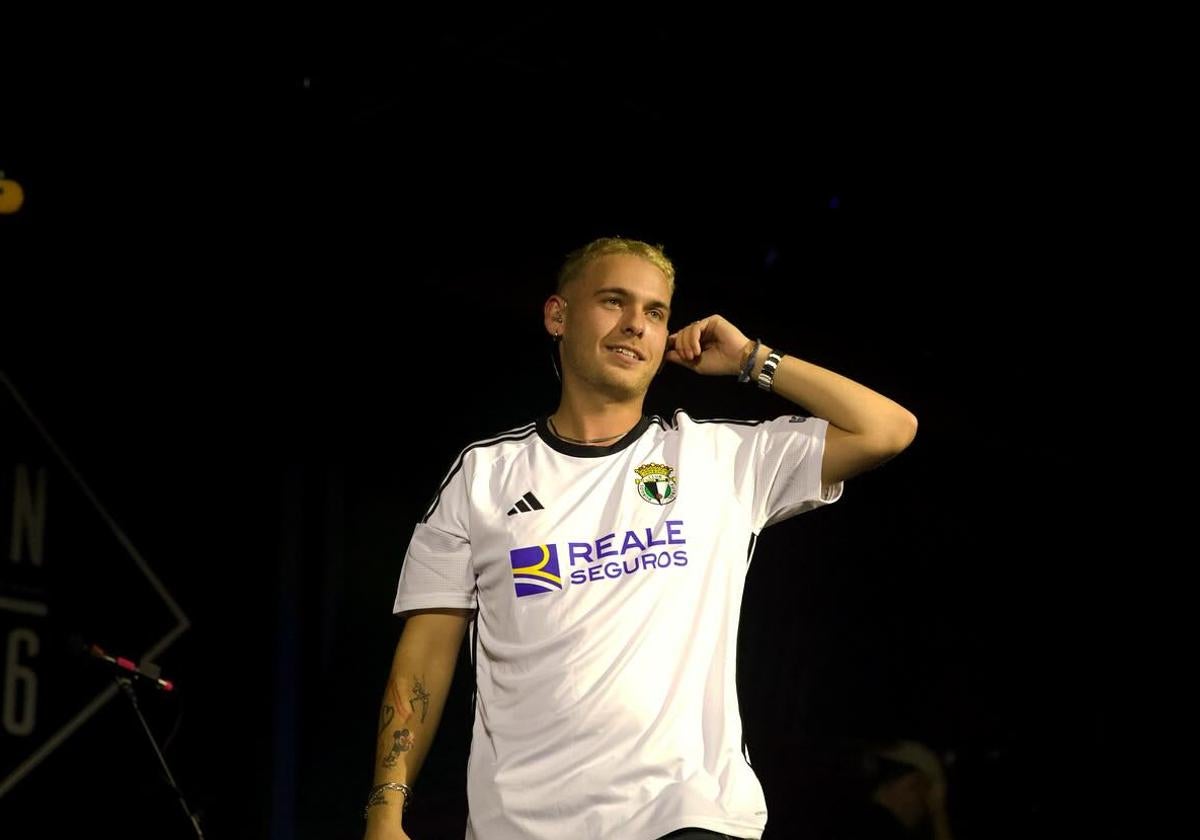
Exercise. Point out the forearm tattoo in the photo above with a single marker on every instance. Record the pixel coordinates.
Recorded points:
(420, 695)
(401, 742)
(402, 739)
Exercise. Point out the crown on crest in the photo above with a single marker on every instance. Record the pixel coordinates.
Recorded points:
(652, 469)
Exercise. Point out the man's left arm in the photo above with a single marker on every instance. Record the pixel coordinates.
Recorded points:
(865, 427)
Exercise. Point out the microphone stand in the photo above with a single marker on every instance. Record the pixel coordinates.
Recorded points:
(126, 686)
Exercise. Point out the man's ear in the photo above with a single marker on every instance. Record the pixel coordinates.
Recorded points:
(553, 315)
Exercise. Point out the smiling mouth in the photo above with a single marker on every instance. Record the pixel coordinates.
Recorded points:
(627, 353)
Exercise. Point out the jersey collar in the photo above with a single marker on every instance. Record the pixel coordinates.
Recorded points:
(579, 450)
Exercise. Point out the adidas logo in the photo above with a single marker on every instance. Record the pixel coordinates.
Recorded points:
(525, 504)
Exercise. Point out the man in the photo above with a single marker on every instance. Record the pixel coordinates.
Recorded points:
(603, 554)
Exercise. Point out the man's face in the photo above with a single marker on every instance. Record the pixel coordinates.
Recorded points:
(615, 325)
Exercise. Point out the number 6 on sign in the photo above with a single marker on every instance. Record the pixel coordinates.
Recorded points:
(20, 682)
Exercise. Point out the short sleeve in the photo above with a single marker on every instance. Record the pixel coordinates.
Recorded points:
(778, 466)
(437, 571)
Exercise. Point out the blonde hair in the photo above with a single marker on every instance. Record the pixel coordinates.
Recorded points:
(579, 259)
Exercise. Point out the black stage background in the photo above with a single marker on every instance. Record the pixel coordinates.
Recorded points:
(262, 292)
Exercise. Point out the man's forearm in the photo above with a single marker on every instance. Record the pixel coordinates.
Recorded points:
(842, 401)
(407, 724)
(413, 700)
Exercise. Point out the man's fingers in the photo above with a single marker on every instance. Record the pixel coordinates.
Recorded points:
(686, 342)
(674, 356)
(677, 343)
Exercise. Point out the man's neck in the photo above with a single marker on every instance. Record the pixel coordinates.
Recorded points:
(595, 421)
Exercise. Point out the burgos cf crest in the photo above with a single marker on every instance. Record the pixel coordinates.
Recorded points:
(656, 483)
(535, 569)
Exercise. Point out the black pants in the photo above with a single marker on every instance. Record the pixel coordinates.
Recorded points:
(696, 834)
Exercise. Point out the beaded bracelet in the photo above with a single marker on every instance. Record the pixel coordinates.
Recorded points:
(766, 378)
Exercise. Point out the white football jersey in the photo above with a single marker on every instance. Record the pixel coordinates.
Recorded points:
(608, 582)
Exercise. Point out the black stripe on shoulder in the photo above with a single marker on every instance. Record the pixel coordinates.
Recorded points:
(733, 421)
(519, 433)
(524, 427)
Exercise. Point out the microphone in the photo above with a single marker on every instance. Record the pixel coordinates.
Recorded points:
(128, 668)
